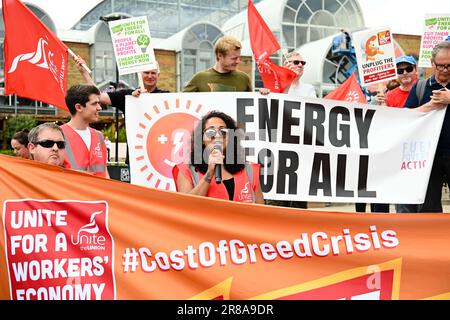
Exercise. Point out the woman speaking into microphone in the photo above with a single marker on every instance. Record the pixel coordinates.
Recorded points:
(217, 166)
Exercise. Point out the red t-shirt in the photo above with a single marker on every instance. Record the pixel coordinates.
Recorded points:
(396, 98)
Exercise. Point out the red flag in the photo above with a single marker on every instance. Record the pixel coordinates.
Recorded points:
(264, 44)
(35, 59)
(349, 90)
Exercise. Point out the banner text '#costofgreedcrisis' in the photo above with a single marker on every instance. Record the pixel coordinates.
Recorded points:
(69, 235)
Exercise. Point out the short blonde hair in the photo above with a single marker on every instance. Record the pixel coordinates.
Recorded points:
(225, 44)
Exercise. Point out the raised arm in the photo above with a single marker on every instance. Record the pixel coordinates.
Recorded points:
(104, 97)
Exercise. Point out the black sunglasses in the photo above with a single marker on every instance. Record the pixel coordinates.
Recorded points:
(408, 69)
(51, 143)
(297, 62)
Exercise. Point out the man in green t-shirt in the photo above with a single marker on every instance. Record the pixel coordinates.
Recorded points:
(223, 76)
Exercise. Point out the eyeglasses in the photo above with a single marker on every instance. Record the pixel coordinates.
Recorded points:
(441, 67)
(51, 143)
(297, 62)
(211, 132)
(408, 69)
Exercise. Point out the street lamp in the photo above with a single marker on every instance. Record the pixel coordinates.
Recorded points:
(106, 19)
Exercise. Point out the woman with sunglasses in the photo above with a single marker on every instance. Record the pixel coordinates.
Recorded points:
(216, 142)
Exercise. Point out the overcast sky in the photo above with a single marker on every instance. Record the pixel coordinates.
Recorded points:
(403, 16)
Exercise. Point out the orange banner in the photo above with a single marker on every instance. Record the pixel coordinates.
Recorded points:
(69, 235)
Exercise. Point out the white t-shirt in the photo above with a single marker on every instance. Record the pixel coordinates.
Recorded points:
(108, 144)
(301, 89)
(86, 136)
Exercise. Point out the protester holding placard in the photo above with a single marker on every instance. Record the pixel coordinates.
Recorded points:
(436, 95)
(117, 98)
(407, 77)
(216, 144)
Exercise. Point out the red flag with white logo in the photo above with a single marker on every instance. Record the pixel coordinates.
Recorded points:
(35, 59)
(263, 45)
(349, 91)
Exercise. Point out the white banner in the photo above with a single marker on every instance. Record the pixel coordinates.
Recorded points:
(319, 150)
(375, 54)
(436, 29)
(132, 45)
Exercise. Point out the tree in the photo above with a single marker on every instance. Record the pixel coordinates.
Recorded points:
(111, 133)
(15, 124)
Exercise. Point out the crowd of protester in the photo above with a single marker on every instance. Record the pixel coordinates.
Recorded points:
(76, 145)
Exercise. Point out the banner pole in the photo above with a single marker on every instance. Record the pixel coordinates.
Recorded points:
(75, 56)
(141, 81)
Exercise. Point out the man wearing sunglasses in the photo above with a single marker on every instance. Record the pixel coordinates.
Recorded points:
(296, 63)
(436, 95)
(46, 144)
(85, 146)
(407, 77)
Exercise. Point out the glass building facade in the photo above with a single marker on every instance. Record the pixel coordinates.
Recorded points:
(199, 22)
(167, 17)
(309, 20)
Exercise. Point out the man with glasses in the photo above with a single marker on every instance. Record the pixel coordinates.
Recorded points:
(407, 77)
(296, 63)
(46, 144)
(436, 95)
(116, 98)
(85, 146)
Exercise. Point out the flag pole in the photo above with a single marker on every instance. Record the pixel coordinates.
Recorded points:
(141, 81)
(83, 65)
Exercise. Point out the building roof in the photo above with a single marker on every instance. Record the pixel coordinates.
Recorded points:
(67, 13)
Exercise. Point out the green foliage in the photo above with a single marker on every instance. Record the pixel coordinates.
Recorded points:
(15, 124)
(7, 152)
(110, 133)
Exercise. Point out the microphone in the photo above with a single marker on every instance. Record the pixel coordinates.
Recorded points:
(218, 167)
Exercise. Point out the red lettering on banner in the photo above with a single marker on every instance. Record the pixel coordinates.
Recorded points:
(413, 165)
(59, 250)
(379, 76)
